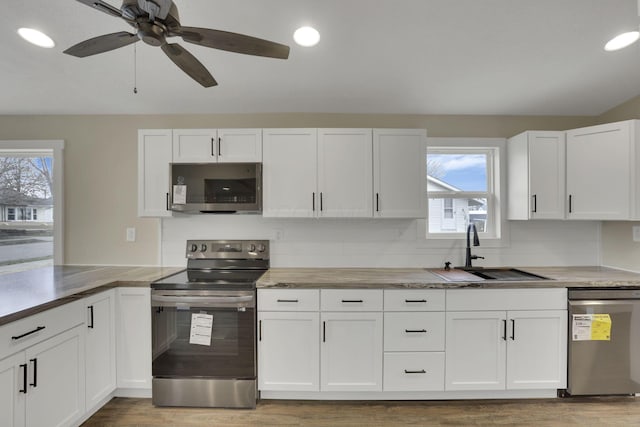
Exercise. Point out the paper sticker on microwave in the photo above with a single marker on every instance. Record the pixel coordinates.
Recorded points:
(179, 194)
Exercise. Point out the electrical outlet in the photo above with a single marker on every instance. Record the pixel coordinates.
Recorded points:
(279, 234)
(636, 233)
(131, 234)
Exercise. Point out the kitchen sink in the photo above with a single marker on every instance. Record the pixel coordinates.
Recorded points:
(501, 274)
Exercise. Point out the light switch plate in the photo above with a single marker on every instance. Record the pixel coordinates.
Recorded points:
(131, 234)
(636, 233)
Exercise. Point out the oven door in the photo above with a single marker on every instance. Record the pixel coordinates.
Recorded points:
(203, 334)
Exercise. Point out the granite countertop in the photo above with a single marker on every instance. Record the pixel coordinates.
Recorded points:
(28, 292)
(564, 277)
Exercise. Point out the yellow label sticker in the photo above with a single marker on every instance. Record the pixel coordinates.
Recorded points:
(601, 327)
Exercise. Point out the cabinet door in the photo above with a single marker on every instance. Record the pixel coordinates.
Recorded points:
(400, 173)
(195, 145)
(154, 156)
(239, 145)
(351, 352)
(12, 399)
(133, 338)
(599, 172)
(546, 175)
(56, 391)
(345, 180)
(290, 173)
(100, 347)
(475, 350)
(537, 349)
(288, 351)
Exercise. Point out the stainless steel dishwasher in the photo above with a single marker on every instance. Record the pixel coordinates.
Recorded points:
(604, 341)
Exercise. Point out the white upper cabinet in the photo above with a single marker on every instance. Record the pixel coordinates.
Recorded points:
(601, 171)
(400, 173)
(345, 172)
(154, 157)
(289, 172)
(217, 145)
(536, 175)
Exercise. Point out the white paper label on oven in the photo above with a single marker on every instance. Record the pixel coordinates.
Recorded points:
(201, 325)
(179, 194)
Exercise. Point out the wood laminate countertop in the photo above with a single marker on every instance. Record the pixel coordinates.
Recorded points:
(29, 292)
(563, 277)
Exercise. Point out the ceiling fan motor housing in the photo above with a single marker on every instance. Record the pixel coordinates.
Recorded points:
(151, 33)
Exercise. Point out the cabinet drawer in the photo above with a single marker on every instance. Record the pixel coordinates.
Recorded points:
(18, 335)
(288, 299)
(414, 331)
(413, 371)
(351, 299)
(506, 299)
(414, 300)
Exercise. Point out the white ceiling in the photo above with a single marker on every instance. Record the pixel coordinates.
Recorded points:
(531, 57)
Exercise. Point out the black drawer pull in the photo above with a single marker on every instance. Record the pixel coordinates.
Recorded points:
(38, 329)
(416, 331)
(352, 300)
(416, 300)
(287, 300)
(421, 371)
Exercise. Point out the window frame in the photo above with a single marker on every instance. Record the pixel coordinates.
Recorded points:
(56, 147)
(497, 236)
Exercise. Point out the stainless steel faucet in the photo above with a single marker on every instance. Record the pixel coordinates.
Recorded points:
(476, 242)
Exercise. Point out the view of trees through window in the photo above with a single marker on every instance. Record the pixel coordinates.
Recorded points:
(26, 210)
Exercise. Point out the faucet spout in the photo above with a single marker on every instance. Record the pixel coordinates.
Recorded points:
(476, 242)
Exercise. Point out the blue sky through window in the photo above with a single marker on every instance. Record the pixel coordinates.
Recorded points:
(468, 172)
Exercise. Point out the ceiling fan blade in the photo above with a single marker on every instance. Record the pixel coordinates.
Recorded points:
(103, 7)
(189, 64)
(102, 44)
(233, 42)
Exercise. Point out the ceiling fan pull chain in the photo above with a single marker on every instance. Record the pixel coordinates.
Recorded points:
(135, 69)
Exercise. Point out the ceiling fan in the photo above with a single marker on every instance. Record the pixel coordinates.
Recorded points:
(155, 20)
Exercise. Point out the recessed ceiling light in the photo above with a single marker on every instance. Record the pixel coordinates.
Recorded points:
(306, 36)
(36, 37)
(622, 40)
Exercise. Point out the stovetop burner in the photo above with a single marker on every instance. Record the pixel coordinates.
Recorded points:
(220, 264)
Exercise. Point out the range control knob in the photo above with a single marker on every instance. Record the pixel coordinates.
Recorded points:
(261, 248)
(194, 247)
(203, 248)
(252, 247)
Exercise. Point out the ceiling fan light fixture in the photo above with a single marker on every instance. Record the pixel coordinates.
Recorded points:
(622, 40)
(36, 37)
(306, 36)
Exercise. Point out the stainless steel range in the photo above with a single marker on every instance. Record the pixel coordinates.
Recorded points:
(204, 326)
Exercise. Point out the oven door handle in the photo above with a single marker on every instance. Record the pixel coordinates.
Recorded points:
(202, 301)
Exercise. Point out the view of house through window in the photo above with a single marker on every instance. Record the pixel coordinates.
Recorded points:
(459, 187)
(26, 209)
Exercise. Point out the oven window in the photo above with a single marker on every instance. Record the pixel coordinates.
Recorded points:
(230, 354)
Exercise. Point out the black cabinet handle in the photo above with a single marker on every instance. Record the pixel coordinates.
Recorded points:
(513, 329)
(321, 201)
(24, 378)
(416, 300)
(287, 300)
(38, 329)
(35, 372)
(504, 329)
(313, 202)
(421, 371)
(324, 331)
(353, 300)
(260, 330)
(168, 202)
(416, 331)
(212, 152)
(535, 203)
(570, 203)
(377, 202)
(219, 147)
(90, 325)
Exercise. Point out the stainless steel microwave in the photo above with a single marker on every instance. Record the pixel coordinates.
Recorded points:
(216, 187)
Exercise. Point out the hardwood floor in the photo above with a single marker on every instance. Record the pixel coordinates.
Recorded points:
(618, 411)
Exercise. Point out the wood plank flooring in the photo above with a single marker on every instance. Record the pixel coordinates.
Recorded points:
(610, 411)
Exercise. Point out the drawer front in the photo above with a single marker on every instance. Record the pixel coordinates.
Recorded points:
(351, 299)
(414, 300)
(18, 335)
(288, 299)
(413, 371)
(506, 299)
(414, 331)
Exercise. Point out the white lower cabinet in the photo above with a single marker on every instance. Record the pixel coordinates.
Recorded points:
(12, 389)
(100, 356)
(351, 351)
(133, 341)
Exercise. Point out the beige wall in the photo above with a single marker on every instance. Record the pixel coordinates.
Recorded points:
(618, 248)
(101, 160)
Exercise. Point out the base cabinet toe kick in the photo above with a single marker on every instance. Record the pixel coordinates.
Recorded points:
(411, 344)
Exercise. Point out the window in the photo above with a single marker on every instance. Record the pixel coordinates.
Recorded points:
(31, 203)
(463, 183)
